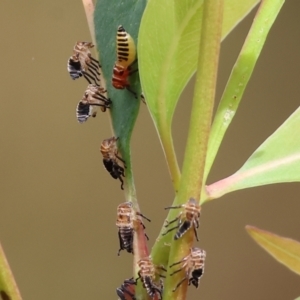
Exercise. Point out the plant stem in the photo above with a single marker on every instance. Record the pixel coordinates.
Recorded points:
(8, 286)
(240, 75)
(89, 9)
(203, 102)
(194, 161)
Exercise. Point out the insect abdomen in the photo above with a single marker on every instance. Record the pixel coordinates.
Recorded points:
(186, 225)
(126, 239)
(126, 51)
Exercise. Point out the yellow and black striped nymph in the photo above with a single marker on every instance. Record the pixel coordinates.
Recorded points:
(126, 51)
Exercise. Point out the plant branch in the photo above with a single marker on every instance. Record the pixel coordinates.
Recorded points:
(240, 75)
(194, 161)
(8, 286)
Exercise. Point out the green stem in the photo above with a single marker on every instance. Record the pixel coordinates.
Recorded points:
(203, 102)
(89, 9)
(194, 161)
(240, 75)
(8, 286)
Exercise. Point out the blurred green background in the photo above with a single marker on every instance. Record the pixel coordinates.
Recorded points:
(58, 204)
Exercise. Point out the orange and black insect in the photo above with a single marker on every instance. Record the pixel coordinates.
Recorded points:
(93, 97)
(81, 63)
(187, 218)
(126, 222)
(109, 150)
(127, 290)
(126, 56)
(193, 264)
(148, 273)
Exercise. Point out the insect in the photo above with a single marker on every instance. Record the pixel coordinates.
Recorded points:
(93, 97)
(127, 290)
(81, 63)
(126, 222)
(126, 54)
(193, 264)
(109, 152)
(147, 274)
(186, 219)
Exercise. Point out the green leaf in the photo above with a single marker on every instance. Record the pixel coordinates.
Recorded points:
(276, 160)
(240, 75)
(168, 48)
(8, 286)
(297, 298)
(284, 250)
(125, 107)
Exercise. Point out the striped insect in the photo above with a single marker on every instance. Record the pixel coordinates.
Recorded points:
(110, 155)
(187, 218)
(148, 273)
(81, 63)
(127, 290)
(93, 97)
(193, 265)
(126, 56)
(127, 223)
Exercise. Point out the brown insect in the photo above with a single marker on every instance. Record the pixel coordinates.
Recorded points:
(93, 97)
(127, 290)
(126, 222)
(186, 219)
(193, 264)
(81, 63)
(126, 56)
(147, 274)
(110, 155)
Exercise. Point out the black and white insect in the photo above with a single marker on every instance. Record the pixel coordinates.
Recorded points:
(148, 273)
(193, 265)
(187, 218)
(127, 290)
(81, 63)
(127, 223)
(111, 158)
(93, 98)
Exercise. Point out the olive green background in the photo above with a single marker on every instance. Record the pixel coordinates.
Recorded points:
(58, 204)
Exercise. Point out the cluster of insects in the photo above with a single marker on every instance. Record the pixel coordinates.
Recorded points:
(129, 221)
(82, 64)
(150, 274)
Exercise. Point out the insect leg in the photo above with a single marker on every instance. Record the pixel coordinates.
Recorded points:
(180, 282)
(85, 75)
(95, 60)
(96, 79)
(122, 182)
(170, 207)
(141, 215)
(93, 66)
(196, 234)
(170, 230)
(179, 262)
(173, 221)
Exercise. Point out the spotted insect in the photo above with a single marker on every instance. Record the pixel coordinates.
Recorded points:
(127, 222)
(81, 63)
(193, 265)
(93, 97)
(127, 290)
(110, 155)
(126, 56)
(186, 219)
(148, 273)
